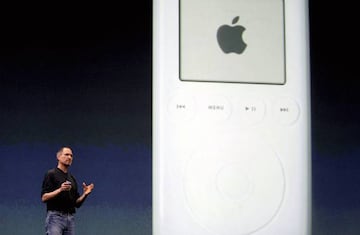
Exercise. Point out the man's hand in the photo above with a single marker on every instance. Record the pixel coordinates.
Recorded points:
(66, 186)
(87, 188)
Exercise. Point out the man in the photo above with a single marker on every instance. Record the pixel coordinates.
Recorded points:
(60, 193)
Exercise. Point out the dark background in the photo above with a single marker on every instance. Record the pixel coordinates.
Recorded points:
(81, 76)
(78, 76)
(335, 118)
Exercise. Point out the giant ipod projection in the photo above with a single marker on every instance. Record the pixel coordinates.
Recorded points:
(231, 118)
(82, 77)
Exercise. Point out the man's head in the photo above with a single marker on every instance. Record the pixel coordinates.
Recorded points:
(65, 156)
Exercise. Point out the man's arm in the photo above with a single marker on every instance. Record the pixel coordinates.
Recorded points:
(64, 187)
(87, 189)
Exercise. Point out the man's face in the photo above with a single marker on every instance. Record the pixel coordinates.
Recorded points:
(65, 157)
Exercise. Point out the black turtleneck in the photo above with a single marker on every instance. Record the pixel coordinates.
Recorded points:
(66, 201)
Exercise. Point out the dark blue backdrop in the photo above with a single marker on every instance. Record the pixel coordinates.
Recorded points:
(335, 118)
(81, 76)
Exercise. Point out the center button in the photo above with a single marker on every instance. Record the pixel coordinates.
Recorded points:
(234, 183)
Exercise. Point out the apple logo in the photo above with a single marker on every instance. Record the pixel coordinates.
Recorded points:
(230, 38)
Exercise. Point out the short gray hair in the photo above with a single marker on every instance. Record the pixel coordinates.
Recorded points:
(61, 150)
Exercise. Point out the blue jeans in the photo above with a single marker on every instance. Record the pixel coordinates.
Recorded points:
(58, 223)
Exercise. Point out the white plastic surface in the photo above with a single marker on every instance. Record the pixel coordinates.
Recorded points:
(231, 158)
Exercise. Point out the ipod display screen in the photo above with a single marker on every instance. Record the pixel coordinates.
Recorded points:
(232, 41)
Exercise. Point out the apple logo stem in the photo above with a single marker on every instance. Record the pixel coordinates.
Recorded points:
(230, 38)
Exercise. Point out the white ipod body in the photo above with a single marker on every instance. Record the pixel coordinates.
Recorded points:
(231, 117)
